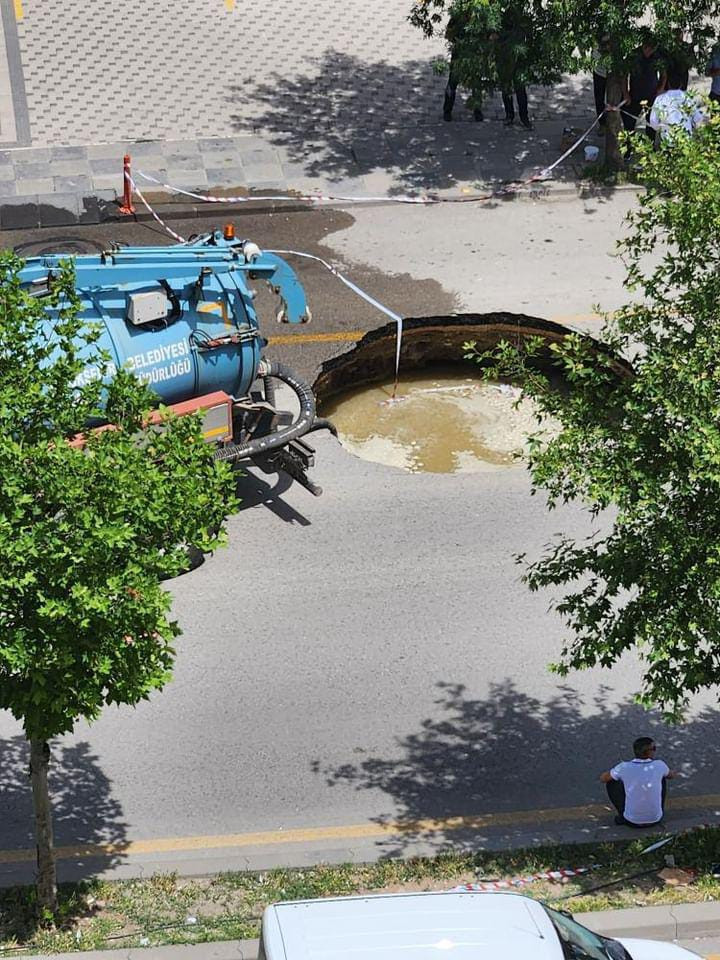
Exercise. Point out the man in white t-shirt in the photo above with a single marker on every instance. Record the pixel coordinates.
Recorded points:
(637, 787)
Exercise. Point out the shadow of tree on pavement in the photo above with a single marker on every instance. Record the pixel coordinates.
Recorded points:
(514, 752)
(84, 814)
(352, 118)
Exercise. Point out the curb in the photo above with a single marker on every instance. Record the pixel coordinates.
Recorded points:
(683, 921)
(38, 211)
(680, 921)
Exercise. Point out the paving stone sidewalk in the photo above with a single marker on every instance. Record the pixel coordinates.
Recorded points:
(51, 186)
(213, 95)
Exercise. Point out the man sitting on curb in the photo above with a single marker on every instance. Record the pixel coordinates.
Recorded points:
(637, 787)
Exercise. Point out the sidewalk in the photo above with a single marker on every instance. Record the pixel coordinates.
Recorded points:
(684, 922)
(52, 186)
(211, 98)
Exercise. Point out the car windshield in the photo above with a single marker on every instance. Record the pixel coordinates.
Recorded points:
(579, 943)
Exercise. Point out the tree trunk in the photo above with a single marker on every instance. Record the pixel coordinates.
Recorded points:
(614, 91)
(46, 873)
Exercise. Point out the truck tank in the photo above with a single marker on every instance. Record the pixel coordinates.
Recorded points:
(182, 318)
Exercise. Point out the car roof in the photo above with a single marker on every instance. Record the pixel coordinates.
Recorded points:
(419, 926)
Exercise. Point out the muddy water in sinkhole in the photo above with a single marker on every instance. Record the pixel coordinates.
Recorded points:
(441, 422)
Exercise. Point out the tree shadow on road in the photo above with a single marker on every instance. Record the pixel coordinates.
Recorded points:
(514, 752)
(84, 814)
(353, 118)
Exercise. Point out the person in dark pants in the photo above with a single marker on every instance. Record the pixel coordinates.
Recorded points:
(679, 58)
(457, 24)
(646, 81)
(522, 102)
(637, 788)
(600, 64)
(509, 67)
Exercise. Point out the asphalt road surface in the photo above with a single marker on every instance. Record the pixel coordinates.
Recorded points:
(370, 655)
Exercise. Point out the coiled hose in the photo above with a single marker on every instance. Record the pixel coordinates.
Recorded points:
(303, 424)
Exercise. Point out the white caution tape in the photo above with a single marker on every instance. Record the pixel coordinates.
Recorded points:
(150, 210)
(548, 170)
(307, 198)
(320, 198)
(361, 293)
(427, 199)
(307, 256)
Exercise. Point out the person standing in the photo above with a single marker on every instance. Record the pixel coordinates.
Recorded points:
(637, 788)
(680, 58)
(646, 81)
(601, 66)
(509, 64)
(455, 34)
(713, 70)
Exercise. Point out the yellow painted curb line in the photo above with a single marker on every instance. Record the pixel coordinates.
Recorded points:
(353, 336)
(19, 13)
(348, 335)
(357, 831)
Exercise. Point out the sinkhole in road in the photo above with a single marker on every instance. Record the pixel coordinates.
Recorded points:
(442, 421)
(446, 419)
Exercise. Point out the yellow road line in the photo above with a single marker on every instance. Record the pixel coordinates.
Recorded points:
(352, 336)
(349, 335)
(357, 831)
(19, 13)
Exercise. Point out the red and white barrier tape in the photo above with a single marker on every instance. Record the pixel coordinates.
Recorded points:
(320, 198)
(307, 198)
(150, 210)
(552, 875)
(425, 200)
(361, 293)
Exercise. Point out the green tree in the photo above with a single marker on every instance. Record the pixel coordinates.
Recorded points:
(626, 24)
(499, 40)
(88, 533)
(640, 446)
(542, 39)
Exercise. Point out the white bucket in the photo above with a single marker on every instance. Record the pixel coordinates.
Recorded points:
(591, 153)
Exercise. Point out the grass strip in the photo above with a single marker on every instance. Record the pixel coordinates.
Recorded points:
(168, 909)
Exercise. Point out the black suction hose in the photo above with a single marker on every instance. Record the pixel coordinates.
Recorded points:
(303, 424)
(319, 423)
(269, 390)
(322, 423)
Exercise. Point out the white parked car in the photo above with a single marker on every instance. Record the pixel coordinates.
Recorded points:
(456, 926)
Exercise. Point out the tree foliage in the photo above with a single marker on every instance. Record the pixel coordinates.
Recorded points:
(542, 39)
(642, 450)
(499, 40)
(87, 533)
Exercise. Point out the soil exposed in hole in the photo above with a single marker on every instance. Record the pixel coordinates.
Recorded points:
(443, 421)
(450, 420)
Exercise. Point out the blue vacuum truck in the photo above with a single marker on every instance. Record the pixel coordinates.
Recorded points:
(182, 319)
